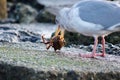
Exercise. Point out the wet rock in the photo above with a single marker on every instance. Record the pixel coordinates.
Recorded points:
(89, 48)
(34, 3)
(21, 13)
(45, 16)
(52, 75)
(8, 37)
(109, 48)
(72, 75)
(25, 32)
(75, 38)
(10, 34)
(117, 45)
(8, 71)
(113, 38)
(28, 36)
(6, 28)
(27, 14)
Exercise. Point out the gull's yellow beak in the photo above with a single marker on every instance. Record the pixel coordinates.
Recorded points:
(57, 30)
(61, 31)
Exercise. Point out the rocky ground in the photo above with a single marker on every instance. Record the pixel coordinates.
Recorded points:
(22, 51)
(32, 61)
(25, 32)
(16, 33)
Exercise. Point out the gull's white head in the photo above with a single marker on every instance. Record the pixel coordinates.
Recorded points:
(62, 17)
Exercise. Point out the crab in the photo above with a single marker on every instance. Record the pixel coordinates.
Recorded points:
(57, 41)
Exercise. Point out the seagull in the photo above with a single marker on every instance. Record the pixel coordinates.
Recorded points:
(96, 18)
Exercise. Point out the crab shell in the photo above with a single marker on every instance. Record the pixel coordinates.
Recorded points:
(57, 42)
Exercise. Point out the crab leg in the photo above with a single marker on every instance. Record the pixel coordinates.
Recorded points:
(44, 40)
(48, 46)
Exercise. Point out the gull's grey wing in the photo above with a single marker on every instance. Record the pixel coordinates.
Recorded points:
(99, 12)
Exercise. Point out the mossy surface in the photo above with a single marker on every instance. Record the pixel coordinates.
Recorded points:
(36, 56)
(31, 61)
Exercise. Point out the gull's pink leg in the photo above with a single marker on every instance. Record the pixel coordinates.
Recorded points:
(94, 50)
(95, 45)
(103, 44)
(103, 47)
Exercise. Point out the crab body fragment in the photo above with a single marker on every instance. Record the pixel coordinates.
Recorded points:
(56, 42)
